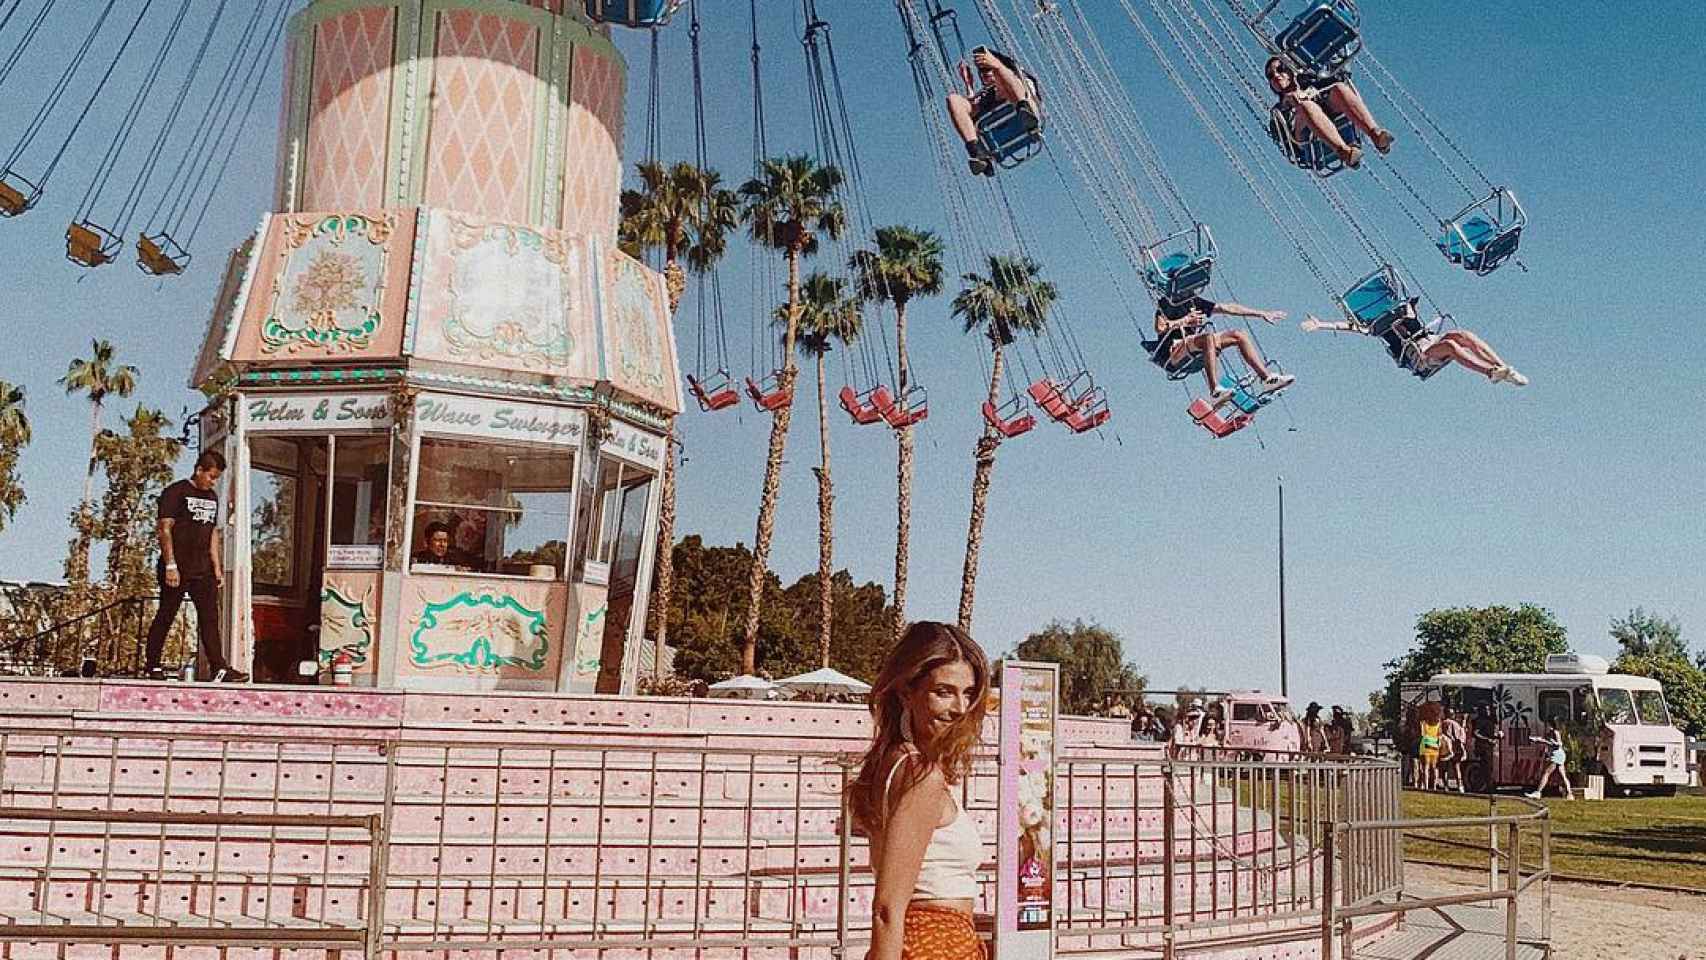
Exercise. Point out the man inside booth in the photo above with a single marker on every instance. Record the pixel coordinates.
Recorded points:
(439, 549)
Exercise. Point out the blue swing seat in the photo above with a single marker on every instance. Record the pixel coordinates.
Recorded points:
(1311, 153)
(1376, 299)
(1178, 266)
(1011, 133)
(632, 13)
(1485, 234)
(1324, 37)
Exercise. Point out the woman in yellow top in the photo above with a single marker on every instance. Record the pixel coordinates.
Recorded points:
(1428, 752)
(927, 707)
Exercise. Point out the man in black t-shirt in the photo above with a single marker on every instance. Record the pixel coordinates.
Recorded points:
(1183, 328)
(191, 565)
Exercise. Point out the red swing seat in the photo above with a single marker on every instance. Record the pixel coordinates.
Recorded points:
(1209, 417)
(868, 407)
(1090, 412)
(715, 392)
(913, 408)
(1014, 424)
(769, 394)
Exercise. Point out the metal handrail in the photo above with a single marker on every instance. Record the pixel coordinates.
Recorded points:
(17, 642)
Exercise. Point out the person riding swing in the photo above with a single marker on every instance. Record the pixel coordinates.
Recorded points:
(1183, 329)
(1002, 81)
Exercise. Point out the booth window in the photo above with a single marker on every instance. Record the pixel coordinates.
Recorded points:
(274, 476)
(492, 508)
(613, 526)
(360, 487)
(1555, 706)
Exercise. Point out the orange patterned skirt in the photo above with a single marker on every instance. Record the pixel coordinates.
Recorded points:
(934, 933)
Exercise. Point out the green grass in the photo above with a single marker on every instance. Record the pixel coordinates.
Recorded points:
(1647, 840)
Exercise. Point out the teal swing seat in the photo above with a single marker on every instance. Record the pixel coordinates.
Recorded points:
(1485, 234)
(641, 14)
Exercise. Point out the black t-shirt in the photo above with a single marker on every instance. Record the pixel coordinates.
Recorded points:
(1178, 311)
(193, 513)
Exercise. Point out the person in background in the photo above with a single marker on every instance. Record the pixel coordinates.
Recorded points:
(1341, 731)
(439, 548)
(191, 565)
(1485, 731)
(1314, 730)
(1555, 760)
(1427, 748)
(1455, 750)
(927, 708)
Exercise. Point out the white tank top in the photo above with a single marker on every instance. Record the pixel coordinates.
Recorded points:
(952, 858)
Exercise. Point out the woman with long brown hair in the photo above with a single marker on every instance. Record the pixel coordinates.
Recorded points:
(927, 707)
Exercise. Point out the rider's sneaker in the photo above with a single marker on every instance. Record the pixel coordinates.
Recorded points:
(154, 673)
(1219, 397)
(1514, 378)
(1278, 382)
(230, 675)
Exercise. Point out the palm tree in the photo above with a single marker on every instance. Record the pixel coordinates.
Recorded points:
(787, 206)
(1009, 301)
(99, 378)
(826, 315)
(686, 214)
(906, 263)
(14, 437)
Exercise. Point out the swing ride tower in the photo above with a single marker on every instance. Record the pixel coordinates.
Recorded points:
(441, 389)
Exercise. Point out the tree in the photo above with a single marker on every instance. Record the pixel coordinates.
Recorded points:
(684, 213)
(1011, 300)
(787, 207)
(99, 378)
(1654, 647)
(826, 315)
(709, 608)
(14, 437)
(137, 465)
(1496, 639)
(1642, 634)
(905, 264)
(1092, 663)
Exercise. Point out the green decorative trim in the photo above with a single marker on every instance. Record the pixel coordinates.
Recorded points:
(336, 377)
(359, 621)
(479, 655)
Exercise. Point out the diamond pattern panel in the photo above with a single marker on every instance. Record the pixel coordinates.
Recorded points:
(480, 145)
(349, 111)
(592, 163)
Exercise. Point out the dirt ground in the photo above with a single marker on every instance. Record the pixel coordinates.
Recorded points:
(1592, 922)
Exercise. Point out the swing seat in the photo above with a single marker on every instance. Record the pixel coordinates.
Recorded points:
(1057, 399)
(1161, 352)
(89, 245)
(161, 256)
(17, 195)
(1089, 413)
(1404, 338)
(632, 13)
(1008, 419)
(1179, 276)
(908, 410)
(1011, 133)
(769, 395)
(1209, 418)
(1377, 299)
(1324, 37)
(715, 392)
(1311, 153)
(1181, 265)
(868, 407)
(1478, 244)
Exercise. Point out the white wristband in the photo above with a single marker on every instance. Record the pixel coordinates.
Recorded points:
(171, 566)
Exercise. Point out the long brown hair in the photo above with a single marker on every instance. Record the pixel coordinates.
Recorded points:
(924, 647)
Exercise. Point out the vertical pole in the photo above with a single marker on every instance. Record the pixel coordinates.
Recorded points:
(1511, 878)
(1284, 691)
(844, 876)
(1329, 844)
(1169, 859)
(1546, 880)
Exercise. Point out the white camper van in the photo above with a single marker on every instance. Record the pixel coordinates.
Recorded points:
(1638, 748)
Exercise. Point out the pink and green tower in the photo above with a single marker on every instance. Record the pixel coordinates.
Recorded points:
(441, 387)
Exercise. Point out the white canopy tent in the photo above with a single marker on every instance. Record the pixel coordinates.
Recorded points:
(824, 682)
(744, 687)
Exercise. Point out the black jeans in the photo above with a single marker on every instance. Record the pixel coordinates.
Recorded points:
(204, 593)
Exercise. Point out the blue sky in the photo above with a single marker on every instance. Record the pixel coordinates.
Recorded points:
(1581, 492)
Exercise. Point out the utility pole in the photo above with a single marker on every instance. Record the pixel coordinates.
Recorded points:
(1284, 692)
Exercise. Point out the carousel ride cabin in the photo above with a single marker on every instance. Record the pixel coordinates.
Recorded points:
(441, 389)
